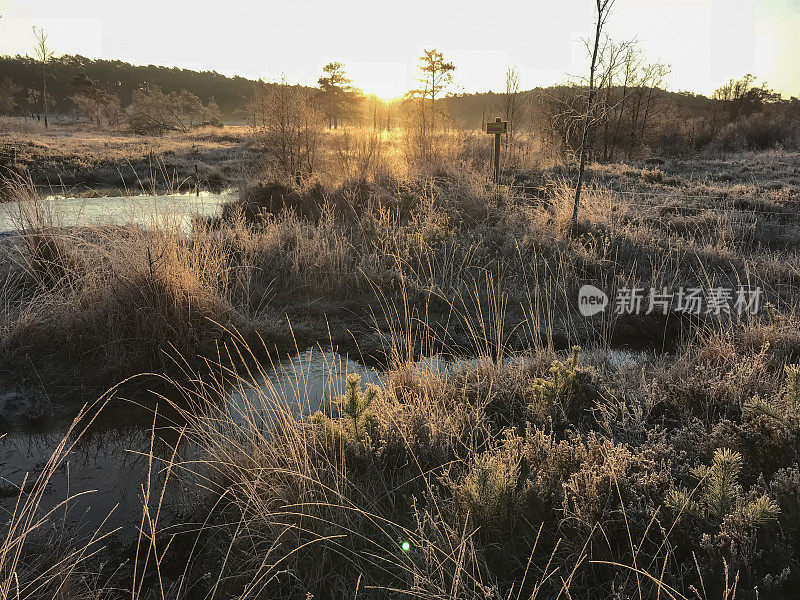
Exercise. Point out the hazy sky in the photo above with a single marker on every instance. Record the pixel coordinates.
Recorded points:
(706, 42)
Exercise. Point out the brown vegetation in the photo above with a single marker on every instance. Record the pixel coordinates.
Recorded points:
(523, 472)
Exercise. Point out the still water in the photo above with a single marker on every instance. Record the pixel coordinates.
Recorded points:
(174, 210)
(111, 460)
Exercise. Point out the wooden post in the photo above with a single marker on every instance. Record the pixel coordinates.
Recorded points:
(497, 128)
(196, 182)
(497, 154)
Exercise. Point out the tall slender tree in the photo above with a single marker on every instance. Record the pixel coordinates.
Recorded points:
(436, 76)
(43, 55)
(602, 11)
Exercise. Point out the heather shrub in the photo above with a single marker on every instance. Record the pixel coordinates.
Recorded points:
(488, 491)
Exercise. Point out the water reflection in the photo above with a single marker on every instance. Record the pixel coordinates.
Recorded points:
(302, 384)
(107, 466)
(111, 459)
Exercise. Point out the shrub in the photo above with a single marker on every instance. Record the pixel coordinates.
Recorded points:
(652, 176)
(356, 427)
(487, 492)
(720, 518)
(759, 131)
(786, 409)
(564, 394)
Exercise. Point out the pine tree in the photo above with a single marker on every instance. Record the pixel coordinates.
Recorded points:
(339, 98)
(719, 494)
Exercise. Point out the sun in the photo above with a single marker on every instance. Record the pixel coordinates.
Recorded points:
(388, 81)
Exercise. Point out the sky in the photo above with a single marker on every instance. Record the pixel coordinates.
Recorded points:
(706, 42)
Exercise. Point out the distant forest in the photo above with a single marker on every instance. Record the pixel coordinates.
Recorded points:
(633, 114)
(122, 79)
(472, 109)
(232, 94)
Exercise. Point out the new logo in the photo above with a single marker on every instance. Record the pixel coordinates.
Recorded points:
(591, 300)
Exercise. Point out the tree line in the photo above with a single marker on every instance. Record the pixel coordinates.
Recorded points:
(631, 111)
(111, 77)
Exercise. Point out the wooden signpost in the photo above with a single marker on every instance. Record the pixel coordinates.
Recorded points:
(497, 128)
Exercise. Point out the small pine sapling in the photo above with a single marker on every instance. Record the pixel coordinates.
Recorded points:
(719, 495)
(357, 425)
(785, 410)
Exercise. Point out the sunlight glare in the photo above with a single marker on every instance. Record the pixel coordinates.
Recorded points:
(387, 80)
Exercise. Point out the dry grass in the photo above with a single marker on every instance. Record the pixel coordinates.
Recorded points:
(494, 499)
(124, 295)
(509, 477)
(92, 145)
(76, 162)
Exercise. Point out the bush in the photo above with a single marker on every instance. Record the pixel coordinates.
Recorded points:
(758, 132)
(564, 394)
(355, 429)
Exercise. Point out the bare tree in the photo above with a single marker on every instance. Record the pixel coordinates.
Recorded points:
(151, 110)
(289, 123)
(43, 55)
(653, 78)
(626, 96)
(632, 63)
(611, 61)
(33, 102)
(511, 104)
(603, 9)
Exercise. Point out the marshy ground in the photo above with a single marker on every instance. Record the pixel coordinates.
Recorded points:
(543, 462)
(83, 162)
